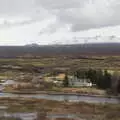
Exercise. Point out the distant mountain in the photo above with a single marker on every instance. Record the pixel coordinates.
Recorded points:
(32, 45)
(49, 50)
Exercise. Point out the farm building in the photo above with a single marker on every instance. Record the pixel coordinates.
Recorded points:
(78, 82)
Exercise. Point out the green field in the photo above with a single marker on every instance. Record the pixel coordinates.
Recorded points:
(10, 67)
(103, 62)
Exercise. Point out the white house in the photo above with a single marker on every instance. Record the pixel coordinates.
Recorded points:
(75, 82)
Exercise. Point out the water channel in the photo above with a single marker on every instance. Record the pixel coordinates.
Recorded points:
(66, 97)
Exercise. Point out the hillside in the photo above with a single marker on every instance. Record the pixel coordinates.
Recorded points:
(79, 49)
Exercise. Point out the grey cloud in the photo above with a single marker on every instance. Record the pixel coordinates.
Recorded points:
(100, 17)
(25, 10)
(59, 4)
(15, 7)
(8, 24)
(51, 28)
(80, 14)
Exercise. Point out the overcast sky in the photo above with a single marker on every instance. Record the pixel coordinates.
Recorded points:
(45, 21)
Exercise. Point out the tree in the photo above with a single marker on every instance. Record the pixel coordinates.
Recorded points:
(66, 81)
(80, 74)
(115, 82)
(118, 87)
(107, 80)
(99, 79)
(102, 79)
(91, 74)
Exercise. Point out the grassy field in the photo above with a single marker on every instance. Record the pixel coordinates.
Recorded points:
(103, 62)
(83, 90)
(10, 68)
(83, 110)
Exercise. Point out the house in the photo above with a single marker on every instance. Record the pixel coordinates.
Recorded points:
(58, 82)
(79, 82)
(60, 76)
(58, 79)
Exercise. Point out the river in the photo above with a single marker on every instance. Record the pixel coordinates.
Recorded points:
(66, 97)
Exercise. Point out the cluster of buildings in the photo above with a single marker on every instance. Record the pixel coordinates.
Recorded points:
(72, 81)
(79, 82)
(56, 80)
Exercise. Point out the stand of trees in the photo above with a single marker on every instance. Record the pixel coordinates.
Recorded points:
(102, 79)
(116, 82)
(66, 81)
(118, 87)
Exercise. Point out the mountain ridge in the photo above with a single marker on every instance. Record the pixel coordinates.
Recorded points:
(51, 50)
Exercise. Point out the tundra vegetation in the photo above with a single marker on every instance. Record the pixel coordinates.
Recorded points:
(43, 108)
(103, 72)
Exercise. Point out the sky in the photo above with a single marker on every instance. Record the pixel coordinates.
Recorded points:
(59, 21)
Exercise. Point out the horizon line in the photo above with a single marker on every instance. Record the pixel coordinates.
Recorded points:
(35, 44)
